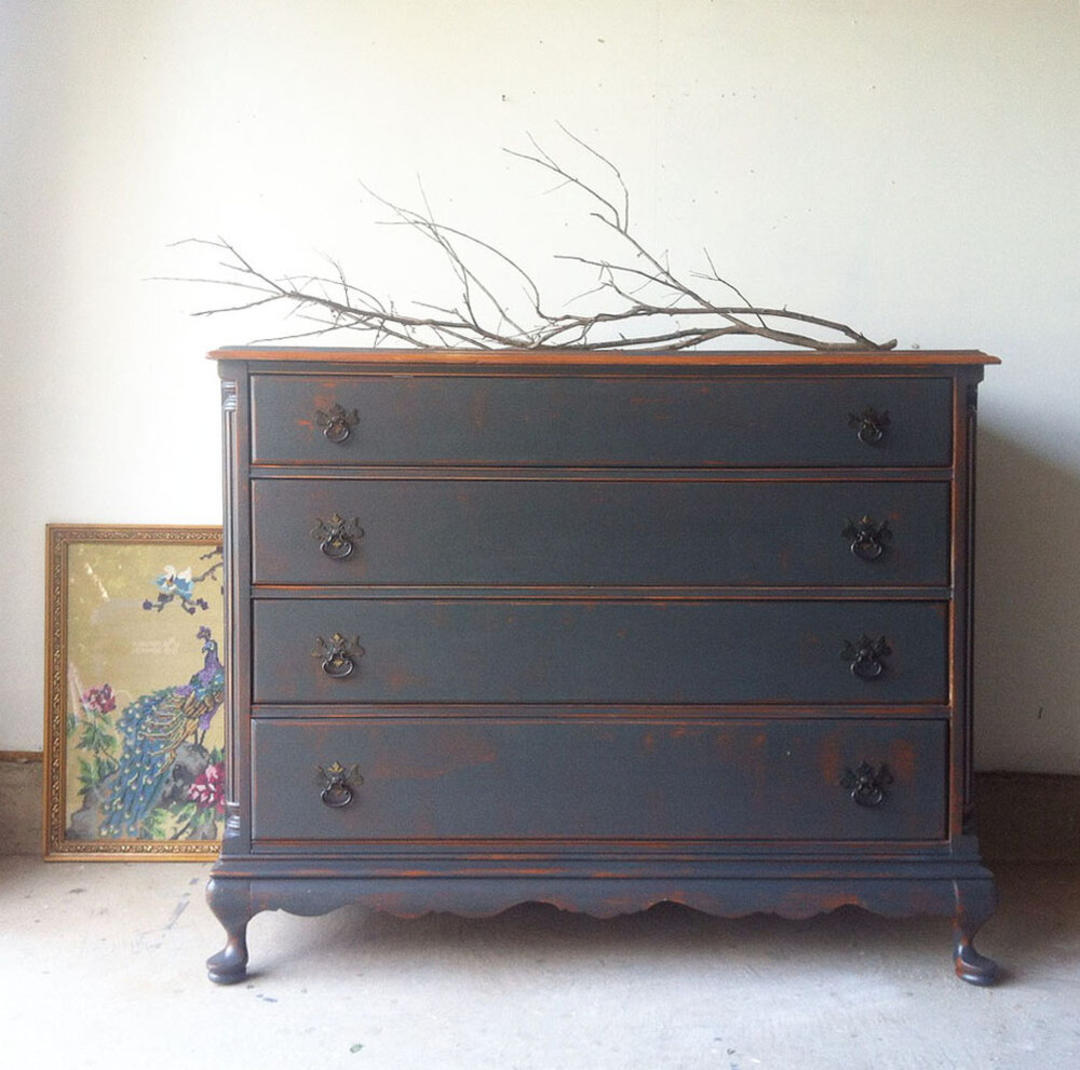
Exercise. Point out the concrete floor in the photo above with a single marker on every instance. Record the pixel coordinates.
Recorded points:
(101, 965)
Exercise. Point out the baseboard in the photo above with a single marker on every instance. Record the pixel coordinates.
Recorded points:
(20, 802)
(1023, 817)
(1028, 817)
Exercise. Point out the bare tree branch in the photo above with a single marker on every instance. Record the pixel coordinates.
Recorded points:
(678, 315)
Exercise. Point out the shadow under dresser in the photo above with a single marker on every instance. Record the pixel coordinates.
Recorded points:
(599, 630)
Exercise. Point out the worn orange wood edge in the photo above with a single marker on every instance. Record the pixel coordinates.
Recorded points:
(742, 358)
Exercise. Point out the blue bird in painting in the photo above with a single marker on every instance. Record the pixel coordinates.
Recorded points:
(153, 726)
(174, 585)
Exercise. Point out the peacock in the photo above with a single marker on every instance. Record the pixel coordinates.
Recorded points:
(153, 726)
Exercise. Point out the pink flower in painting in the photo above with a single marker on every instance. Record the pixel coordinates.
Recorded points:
(209, 788)
(100, 699)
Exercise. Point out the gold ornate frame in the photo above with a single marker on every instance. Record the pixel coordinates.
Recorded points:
(61, 633)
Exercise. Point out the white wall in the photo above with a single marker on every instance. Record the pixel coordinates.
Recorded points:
(911, 169)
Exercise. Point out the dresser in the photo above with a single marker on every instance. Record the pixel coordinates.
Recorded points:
(599, 630)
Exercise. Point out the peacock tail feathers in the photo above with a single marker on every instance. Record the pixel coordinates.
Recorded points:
(153, 727)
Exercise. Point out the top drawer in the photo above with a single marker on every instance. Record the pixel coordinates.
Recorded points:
(623, 420)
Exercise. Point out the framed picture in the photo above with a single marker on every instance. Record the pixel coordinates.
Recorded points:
(134, 692)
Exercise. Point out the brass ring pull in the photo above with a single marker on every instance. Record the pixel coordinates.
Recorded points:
(336, 795)
(868, 540)
(870, 425)
(338, 655)
(866, 657)
(336, 422)
(337, 536)
(338, 791)
(867, 784)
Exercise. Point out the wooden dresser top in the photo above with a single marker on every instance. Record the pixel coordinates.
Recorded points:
(609, 357)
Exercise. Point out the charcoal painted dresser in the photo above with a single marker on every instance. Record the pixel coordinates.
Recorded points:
(599, 630)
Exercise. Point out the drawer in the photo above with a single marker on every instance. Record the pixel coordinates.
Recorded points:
(603, 651)
(632, 779)
(435, 419)
(595, 532)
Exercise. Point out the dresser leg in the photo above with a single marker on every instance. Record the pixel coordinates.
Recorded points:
(230, 900)
(975, 902)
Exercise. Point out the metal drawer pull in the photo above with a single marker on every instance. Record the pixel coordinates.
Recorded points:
(337, 537)
(867, 538)
(867, 784)
(871, 425)
(338, 655)
(336, 423)
(866, 656)
(340, 781)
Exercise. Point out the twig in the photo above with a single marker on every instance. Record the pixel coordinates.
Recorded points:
(484, 317)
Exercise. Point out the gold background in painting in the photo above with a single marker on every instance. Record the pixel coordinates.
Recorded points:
(113, 640)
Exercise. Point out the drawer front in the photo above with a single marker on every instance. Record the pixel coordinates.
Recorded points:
(682, 533)
(618, 651)
(595, 420)
(542, 780)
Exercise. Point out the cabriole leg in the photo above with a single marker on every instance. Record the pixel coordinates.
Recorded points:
(975, 902)
(230, 900)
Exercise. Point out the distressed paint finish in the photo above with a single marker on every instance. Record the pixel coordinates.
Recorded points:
(629, 779)
(640, 530)
(602, 601)
(618, 650)
(433, 418)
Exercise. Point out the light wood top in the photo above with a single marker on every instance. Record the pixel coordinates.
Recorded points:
(608, 357)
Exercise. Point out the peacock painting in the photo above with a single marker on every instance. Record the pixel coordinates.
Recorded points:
(153, 729)
(146, 686)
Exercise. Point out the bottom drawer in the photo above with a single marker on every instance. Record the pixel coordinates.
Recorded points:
(410, 778)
